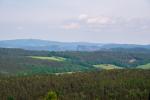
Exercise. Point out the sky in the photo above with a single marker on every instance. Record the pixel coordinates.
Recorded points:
(98, 21)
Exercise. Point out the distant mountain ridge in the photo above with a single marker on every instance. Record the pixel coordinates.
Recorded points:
(36, 44)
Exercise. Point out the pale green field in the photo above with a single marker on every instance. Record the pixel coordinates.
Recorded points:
(53, 58)
(146, 66)
(107, 66)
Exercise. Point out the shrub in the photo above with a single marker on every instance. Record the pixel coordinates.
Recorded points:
(51, 96)
(10, 98)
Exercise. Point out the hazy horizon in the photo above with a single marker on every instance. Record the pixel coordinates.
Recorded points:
(97, 21)
(70, 41)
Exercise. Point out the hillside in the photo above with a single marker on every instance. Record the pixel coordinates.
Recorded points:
(26, 62)
(103, 85)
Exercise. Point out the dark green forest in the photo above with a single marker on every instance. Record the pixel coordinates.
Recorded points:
(97, 85)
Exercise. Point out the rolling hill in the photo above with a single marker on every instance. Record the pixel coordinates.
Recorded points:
(26, 62)
(35, 44)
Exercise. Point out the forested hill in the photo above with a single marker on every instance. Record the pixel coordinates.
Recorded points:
(103, 85)
(35, 44)
(21, 61)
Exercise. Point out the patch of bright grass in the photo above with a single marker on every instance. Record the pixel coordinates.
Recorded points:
(53, 58)
(107, 66)
(146, 66)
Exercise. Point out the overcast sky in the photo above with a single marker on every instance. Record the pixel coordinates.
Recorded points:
(103, 21)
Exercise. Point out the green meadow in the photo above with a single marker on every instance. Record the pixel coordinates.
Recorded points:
(146, 66)
(107, 66)
(53, 58)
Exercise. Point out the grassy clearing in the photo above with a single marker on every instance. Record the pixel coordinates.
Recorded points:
(53, 58)
(146, 66)
(107, 66)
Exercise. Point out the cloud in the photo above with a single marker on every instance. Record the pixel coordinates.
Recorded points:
(87, 22)
(95, 19)
(71, 26)
(109, 24)
(99, 20)
(83, 17)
